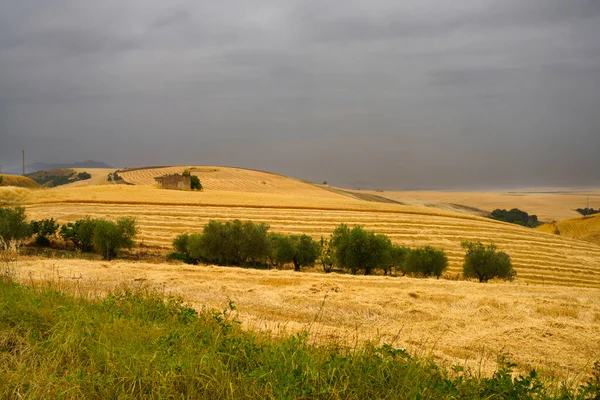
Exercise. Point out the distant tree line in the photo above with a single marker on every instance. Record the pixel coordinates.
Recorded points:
(351, 249)
(515, 216)
(58, 180)
(244, 243)
(582, 211)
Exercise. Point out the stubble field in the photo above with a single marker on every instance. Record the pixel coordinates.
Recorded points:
(549, 318)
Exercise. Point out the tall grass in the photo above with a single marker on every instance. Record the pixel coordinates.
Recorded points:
(135, 343)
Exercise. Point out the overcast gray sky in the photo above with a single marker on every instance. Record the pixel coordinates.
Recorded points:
(383, 94)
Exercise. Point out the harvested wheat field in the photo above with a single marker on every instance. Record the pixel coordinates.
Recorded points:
(540, 319)
(584, 228)
(549, 205)
(550, 328)
(228, 179)
(538, 257)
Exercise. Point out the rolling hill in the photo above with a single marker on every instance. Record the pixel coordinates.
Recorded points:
(585, 228)
(548, 205)
(18, 181)
(293, 206)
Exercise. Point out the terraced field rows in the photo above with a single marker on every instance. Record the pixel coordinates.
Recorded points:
(538, 257)
(230, 179)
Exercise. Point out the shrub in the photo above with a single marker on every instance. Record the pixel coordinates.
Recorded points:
(356, 249)
(306, 251)
(282, 250)
(398, 256)
(80, 233)
(110, 237)
(485, 263)
(1, 179)
(13, 226)
(195, 181)
(230, 243)
(82, 176)
(327, 255)
(43, 229)
(426, 261)
(515, 216)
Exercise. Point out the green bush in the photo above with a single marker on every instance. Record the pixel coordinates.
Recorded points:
(306, 251)
(82, 176)
(282, 250)
(398, 256)
(426, 261)
(515, 216)
(110, 237)
(195, 181)
(43, 229)
(80, 233)
(485, 263)
(1, 179)
(356, 249)
(230, 243)
(13, 226)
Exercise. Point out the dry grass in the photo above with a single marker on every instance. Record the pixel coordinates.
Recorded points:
(549, 328)
(583, 228)
(12, 195)
(548, 206)
(18, 181)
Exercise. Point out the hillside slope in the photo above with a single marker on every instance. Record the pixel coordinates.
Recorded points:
(18, 181)
(291, 206)
(548, 206)
(584, 228)
(230, 179)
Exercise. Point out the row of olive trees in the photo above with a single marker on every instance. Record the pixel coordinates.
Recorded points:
(99, 235)
(349, 248)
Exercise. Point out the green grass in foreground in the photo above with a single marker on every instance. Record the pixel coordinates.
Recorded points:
(136, 344)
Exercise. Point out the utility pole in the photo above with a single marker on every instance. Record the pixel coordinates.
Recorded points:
(23, 162)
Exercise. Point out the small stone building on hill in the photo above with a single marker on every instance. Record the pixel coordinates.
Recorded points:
(174, 181)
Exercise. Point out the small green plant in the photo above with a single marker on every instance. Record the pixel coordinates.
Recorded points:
(1, 179)
(485, 263)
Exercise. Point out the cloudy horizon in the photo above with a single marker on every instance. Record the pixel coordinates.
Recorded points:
(414, 94)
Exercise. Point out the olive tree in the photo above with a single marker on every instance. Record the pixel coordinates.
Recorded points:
(13, 227)
(80, 233)
(426, 261)
(357, 249)
(110, 237)
(305, 251)
(485, 262)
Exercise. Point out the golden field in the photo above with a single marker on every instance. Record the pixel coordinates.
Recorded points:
(18, 181)
(551, 328)
(584, 228)
(549, 318)
(548, 205)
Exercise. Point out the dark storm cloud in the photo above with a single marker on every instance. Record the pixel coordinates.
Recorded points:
(418, 93)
